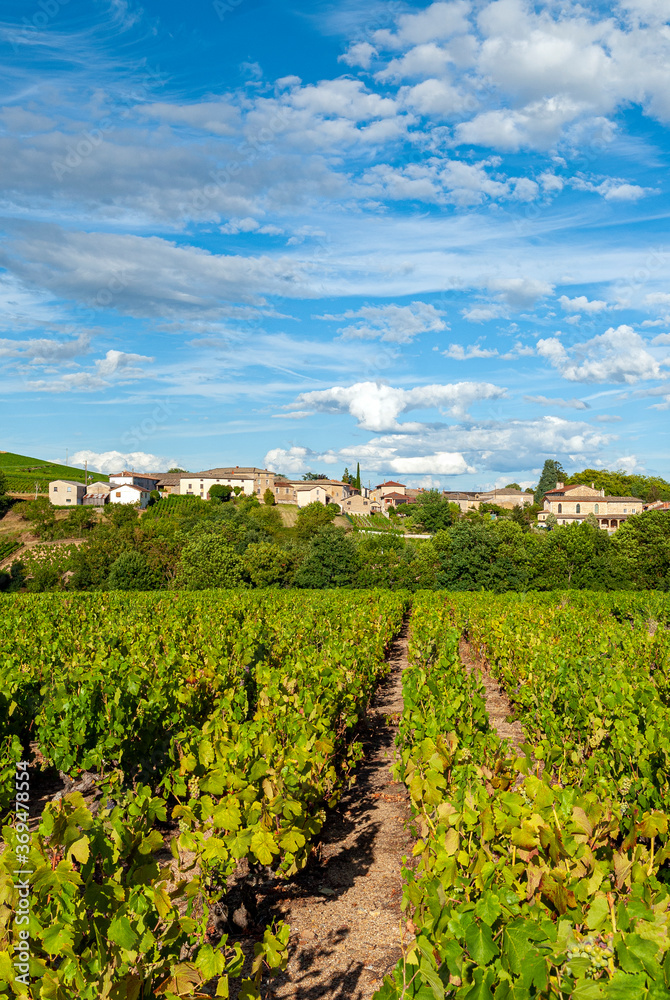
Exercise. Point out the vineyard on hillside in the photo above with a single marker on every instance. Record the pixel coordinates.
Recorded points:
(220, 727)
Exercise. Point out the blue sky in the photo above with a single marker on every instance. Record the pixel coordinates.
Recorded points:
(431, 238)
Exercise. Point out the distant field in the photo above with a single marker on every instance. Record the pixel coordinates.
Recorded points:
(23, 472)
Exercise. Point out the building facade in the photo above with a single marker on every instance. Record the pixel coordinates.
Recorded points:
(473, 499)
(128, 493)
(143, 480)
(251, 481)
(303, 492)
(66, 492)
(572, 504)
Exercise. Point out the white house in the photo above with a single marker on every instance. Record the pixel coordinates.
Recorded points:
(127, 493)
(134, 479)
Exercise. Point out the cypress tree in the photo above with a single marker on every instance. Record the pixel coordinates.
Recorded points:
(552, 473)
(358, 475)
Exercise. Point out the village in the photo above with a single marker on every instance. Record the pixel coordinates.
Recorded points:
(563, 505)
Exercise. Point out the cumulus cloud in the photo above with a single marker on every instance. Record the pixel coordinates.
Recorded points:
(520, 292)
(377, 406)
(117, 461)
(582, 304)
(453, 450)
(359, 54)
(120, 361)
(392, 323)
(619, 355)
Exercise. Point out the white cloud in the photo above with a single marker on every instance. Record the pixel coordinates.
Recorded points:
(117, 461)
(437, 22)
(618, 355)
(460, 353)
(435, 98)
(43, 351)
(657, 299)
(249, 225)
(295, 459)
(441, 463)
(630, 463)
(392, 323)
(662, 338)
(520, 292)
(377, 406)
(119, 361)
(566, 404)
(582, 304)
(359, 54)
(480, 314)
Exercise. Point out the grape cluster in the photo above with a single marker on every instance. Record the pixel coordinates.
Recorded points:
(596, 739)
(194, 788)
(184, 826)
(598, 952)
(624, 785)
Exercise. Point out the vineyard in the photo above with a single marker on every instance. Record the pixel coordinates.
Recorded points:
(220, 727)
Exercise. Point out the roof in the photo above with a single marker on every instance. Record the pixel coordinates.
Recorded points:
(227, 473)
(390, 482)
(127, 486)
(138, 475)
(396, 496)
(506, 492)
(168, 478)
(70, 482)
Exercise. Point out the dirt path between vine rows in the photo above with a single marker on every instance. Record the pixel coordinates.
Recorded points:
(498, 704)
(344, 907)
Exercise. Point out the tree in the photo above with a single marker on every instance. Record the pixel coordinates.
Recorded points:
(431, 511)
(331, 561)
(41, 516)
(210, 561)
(131, 571)
(358, 475)
(309, 477)
(641, 549)
(513, 486)
(176, 471)
(219, 493)
(313, 517)
(269, 565)
(552, 473)
(268, 497)
(154, 497)
(346, 478)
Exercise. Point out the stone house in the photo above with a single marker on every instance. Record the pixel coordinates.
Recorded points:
(571, 504)
(250, 480)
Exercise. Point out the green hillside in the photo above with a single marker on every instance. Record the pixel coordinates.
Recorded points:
(22, 472)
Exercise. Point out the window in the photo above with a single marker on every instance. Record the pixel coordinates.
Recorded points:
(68, 500)
(69, 489)
(118, 493)
(578, 508)
(190, 486)
(560, 508)
(596, 509)
(365, 503)
(625, 510)
(55, 489)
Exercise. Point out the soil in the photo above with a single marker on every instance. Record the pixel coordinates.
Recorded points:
(498, 704)
(344, 907)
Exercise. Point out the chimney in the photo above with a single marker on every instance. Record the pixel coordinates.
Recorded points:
(602, 493)
(593, 486)
(559, 486)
